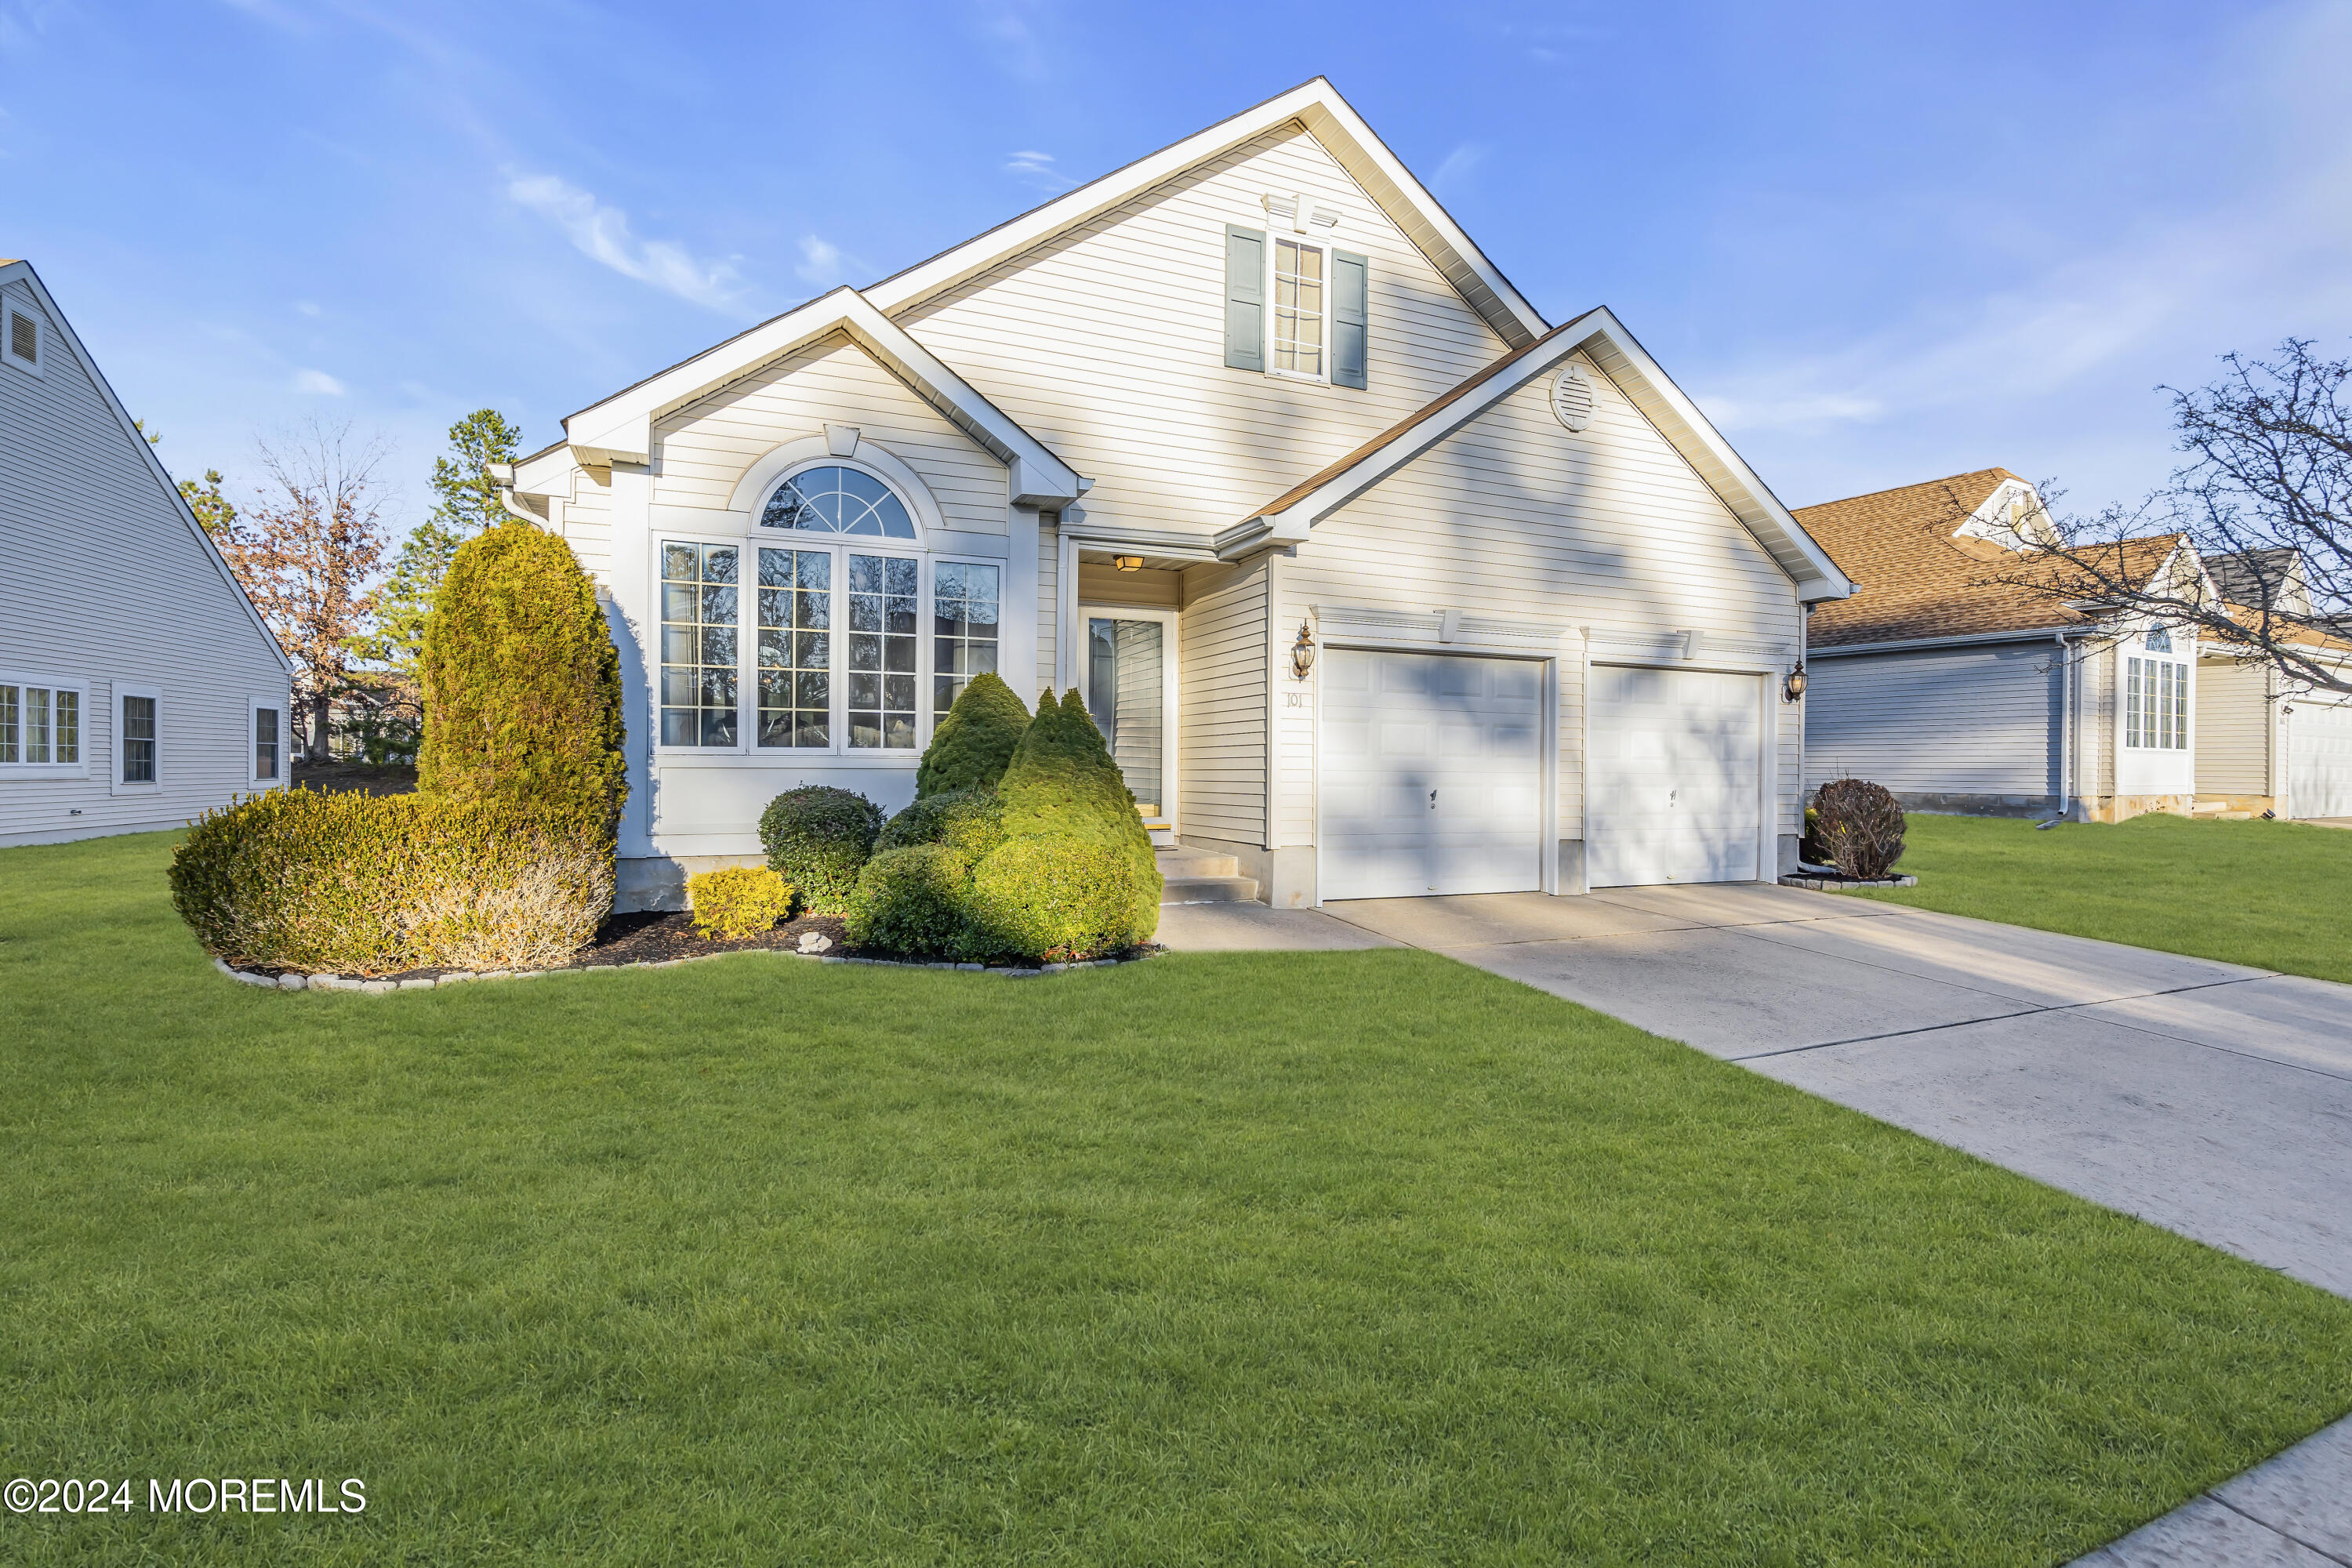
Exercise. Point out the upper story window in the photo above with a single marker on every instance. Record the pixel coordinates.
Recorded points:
(1319, 327)
(834, 499)
(1299, 308)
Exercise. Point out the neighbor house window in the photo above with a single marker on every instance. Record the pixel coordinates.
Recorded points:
(795, 647)
(265, 744)
(22, 348)
(1299, 308)
(137, 740)
(40, 725)
(963, 629)
(882, 648)
(699, 645)
(2155, 704)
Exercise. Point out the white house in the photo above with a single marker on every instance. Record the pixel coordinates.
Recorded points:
(138, 687)
(1379, 582)
(1961, 692)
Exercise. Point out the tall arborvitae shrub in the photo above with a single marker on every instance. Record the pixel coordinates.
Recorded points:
(974, 742)
(523, 686)
(1062, 783)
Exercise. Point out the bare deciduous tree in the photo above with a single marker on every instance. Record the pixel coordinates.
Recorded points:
(2266, 500)
(306, 549)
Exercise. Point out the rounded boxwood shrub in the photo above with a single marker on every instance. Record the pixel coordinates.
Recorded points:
(974, 743)
(817, 838)
(914, 899)
(968, 821)
(1056, 897)
(359, 884)
(1062, 783)
(738, 901)
(1859, 826)
(522, 684)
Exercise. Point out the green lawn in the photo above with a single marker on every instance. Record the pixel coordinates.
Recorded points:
(1330, 1258)
(2276, 895)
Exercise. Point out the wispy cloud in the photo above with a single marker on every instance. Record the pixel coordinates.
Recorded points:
(602, 232)
(1459, 165)
(1012, 40)
(318, 383)
(1039, 168)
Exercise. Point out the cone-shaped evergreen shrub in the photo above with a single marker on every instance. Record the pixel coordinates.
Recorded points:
(968, 821)
(1062, 783)
(523, 686)
(976, 739)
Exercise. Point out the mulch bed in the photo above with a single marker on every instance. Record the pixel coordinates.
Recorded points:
(649, 937)
(367, 778)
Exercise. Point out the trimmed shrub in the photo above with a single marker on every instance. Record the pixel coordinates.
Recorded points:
(1062, 783)
(915, 900)
(354, 883)
(1858, 826)
(968, 821)
(523, 684)
(974, 743)
(817, 838)
(738, 901)
(1058, 898)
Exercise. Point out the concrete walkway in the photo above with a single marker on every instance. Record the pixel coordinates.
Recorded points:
(2212, 1099)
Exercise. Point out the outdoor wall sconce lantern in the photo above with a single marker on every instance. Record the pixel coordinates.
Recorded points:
(1794, 687)
(1128, 562)
(1302, 653)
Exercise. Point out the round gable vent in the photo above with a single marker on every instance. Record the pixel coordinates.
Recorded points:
(1571, 398)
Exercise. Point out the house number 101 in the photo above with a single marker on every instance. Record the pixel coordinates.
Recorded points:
(1294, 700)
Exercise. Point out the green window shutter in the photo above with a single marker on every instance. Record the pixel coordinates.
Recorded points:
(1244, 298)
(1350, 318)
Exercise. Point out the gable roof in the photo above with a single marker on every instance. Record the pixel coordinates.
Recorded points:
(1913, 581)
(2259, 577)
(1603, 339)
(19, 270)
(1332, 121)
(621, 426)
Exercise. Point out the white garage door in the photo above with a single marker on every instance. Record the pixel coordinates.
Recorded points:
(1432, 775)
(2319, 760)
(1673, 782)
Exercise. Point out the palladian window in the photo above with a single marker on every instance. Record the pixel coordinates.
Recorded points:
(832, 500)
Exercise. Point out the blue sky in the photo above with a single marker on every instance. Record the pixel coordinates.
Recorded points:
(1878, 243)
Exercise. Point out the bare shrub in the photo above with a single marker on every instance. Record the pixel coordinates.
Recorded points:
(1858, 826)
(535, 916)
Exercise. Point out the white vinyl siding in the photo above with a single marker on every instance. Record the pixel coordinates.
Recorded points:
(1108, 343)
(1962, 721)
(1222, 653)
(2234, 728)
(1513, 519)
(163, 616)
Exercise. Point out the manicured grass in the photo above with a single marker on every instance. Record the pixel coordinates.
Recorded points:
(1355, 1258)
(2276, 895)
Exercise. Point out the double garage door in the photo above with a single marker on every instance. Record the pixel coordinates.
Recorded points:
(1432, 775)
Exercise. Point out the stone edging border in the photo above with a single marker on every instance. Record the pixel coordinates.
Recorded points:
(1846, 885)
(429, 982)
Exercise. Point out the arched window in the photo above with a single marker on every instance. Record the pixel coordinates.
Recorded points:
(833, 499)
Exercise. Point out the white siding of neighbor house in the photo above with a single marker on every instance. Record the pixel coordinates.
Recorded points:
(1223, 646)
(1107, 345)
(104, 582)
(1513, 518)
(710, 444)
(1978, 719)
(2231, 728)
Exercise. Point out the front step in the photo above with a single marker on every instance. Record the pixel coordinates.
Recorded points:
(1162, 831)
(1197, 877)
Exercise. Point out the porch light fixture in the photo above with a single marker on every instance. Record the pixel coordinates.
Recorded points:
(1128, 562)
(1794, 687)
(1302, 653)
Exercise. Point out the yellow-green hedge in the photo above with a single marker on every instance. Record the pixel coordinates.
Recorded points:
(738, 901)
(359, 884)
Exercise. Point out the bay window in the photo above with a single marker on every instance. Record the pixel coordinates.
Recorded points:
(2155, 704)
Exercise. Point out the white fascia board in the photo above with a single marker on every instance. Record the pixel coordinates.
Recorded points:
(620, 429)
(1332, 121)
(1601, 338)
(23, 272)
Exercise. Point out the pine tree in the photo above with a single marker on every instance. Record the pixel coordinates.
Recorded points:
(468, 505)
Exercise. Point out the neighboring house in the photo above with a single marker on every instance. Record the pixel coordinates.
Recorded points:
(1963, 693)
(2269, 743)
(1377, 582)
(138, 687)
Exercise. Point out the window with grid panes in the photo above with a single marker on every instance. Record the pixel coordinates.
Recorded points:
(39, 725)
(137, 740)
(265, 743)
(963, 629)
(795, 647)
(883, 594)
(699, 621)
(1299, 308)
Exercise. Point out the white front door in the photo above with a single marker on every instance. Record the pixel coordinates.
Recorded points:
(1673, 786)
(1432, 775)
(2318, 758)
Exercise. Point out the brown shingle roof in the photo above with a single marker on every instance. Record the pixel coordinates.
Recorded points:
(1914, 580)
